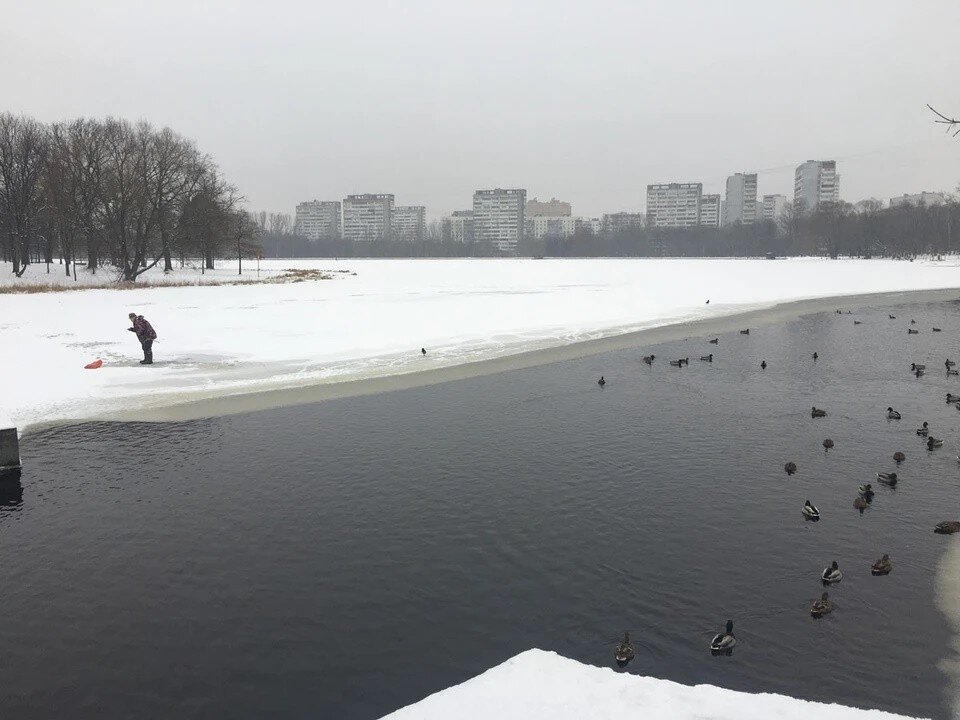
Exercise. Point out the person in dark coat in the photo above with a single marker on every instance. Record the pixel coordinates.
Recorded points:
(145, 334)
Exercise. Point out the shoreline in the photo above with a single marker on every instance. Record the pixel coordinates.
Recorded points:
(199, 405)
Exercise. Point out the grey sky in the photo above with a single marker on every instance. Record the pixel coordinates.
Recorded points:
(585, 101)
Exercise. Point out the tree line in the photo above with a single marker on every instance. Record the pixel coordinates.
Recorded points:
(112, 192)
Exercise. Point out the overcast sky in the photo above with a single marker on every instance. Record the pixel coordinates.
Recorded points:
(584, 101)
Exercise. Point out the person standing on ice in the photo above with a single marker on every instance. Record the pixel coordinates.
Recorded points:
(145, 334)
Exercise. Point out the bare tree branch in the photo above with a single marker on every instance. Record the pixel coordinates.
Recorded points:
(944, 120)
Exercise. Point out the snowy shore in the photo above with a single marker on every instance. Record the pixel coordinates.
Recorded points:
(236, 348)
(540, 684)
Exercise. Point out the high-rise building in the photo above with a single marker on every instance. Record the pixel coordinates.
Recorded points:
(674, 204)
(710, 210)
(772, 208)
(408, 222)
(318, 219)
(922, 198)
(543, 226)
(498, 217)
(458, 227)
(594, 226)
(740, 206)
(554, 208)
(816, 182)
(622, 222)
(367, 217)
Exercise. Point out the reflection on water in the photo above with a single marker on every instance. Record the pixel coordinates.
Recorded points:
(347, 558)
(11, 491)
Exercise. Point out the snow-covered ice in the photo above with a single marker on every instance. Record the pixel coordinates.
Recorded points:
(237, 339)
(540, 684)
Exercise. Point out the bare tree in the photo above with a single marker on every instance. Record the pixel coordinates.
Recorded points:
(24, 144)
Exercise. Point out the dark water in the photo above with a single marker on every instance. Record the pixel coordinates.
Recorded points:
(344, 559)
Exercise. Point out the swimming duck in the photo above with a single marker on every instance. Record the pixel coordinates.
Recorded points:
(821, 607)
(707, 358)
(951, 398)
(676, 363)
(866, 491)
(601, 382)
(914, 367)
(714, 341)
(947, 527)
(810, 511)
(924, 429)
(899, 457)
(933, 443)
(860, 503)
(648, 359)
(624, 652)
(893, 317)
(883, 566)
(911, 331)
(723, 643)
(685, 361)
(892, 414)
(763, 364)
(790, 468)
(816, 412)
(827, 444)
(815, 356)
(831, 574)
(949, 363)
(913, 322)
(857, 322)
(423, 351)
(953, 371)
(745, 332)
(887, 478)
(918, 373)
(936, 330)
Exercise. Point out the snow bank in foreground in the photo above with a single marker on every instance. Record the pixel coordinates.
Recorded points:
(540, 684)
(215, 341)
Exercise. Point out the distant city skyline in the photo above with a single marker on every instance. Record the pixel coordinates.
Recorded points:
(576, 101)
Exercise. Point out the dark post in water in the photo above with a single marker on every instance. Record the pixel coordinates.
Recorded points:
(9, 448)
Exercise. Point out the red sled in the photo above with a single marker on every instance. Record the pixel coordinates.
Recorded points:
(94, 365)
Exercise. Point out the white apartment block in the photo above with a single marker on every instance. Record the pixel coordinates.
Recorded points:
(816, 182)
(458, 227)
(740, 206)
(498, 217)
(318, 219)
(922, 198)
(674, 204)
(408, 222)
(550, 226)
(622, 222)
(772, 208)
(710, 210)
(594, 226)
(367, 217)
(554, 208)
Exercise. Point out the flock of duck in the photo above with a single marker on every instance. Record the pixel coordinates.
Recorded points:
(724, 641)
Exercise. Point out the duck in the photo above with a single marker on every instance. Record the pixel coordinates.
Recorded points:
(860, 503)
(915, 367)
(886, 478)
(723, 643)
(892, 414)
(832, 574)
(883, 566)
(601, 382)
(892, 317)
(899, 457)
(810, 511)
(933, 443)
(827, 444)
(937, 330)
(706, 358)
(866, 491)
(423, 351)
(953, 371)
(815, 356)
(949, 363)
(913, 322)
(951, 398)
(624, 652)
(857, 322)
(714, 341)
(947, 527)
(685, 361)
(648, 359)
(815, 412)
(924, 429)
(911, 331)
(676, 363)
(790, 468)
(763, 364)
(745, 332)
(821, 607)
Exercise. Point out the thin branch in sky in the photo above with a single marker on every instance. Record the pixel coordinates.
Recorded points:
(944, 120)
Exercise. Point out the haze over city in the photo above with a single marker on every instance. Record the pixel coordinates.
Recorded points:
(588, 103)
